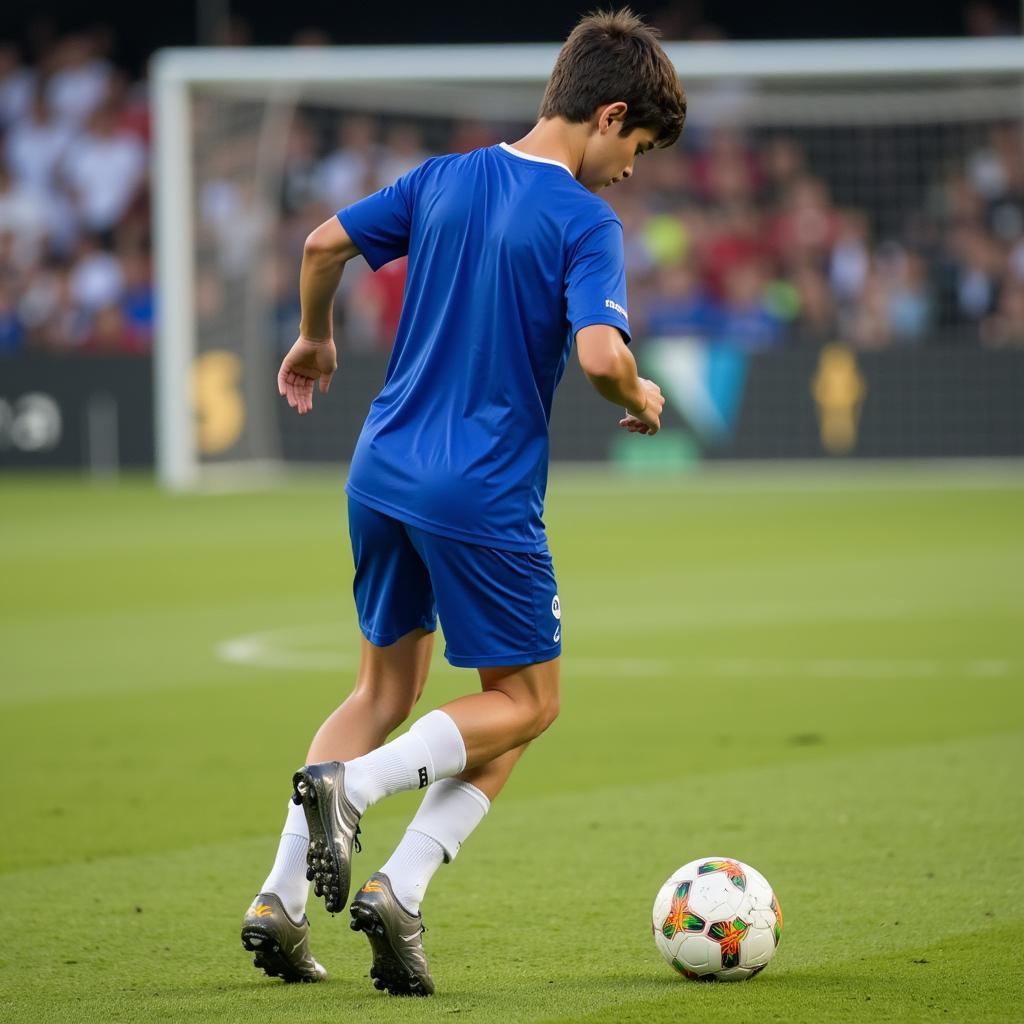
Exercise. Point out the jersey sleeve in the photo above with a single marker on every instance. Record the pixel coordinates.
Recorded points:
(380, 224)
(595, 281)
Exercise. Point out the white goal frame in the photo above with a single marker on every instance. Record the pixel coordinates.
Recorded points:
(280, 71)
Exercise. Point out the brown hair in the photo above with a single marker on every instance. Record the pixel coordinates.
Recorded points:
(611, 56)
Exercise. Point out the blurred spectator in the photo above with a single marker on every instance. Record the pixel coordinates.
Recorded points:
(682, 307)
(784, 165)
(23, 221)
(237, 217)
(375, 306)
(79, 77)
(96, 276)
(806, 226)
(17, 84)
(816, 307)
(850, 256)
(1005, 327)
(908, 301)
(12, 330)
(137, 294)
(867, 322)
(344, 174)
(969, 274)
(736, 239)
(36, 145)
(111, 333)
(747, 320)
(726, 171)
(299, 183)
(403, 150)
(104, 169)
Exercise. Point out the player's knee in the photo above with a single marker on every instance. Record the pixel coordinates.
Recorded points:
(545, 711)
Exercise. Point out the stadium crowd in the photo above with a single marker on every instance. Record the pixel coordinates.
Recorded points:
(733, 236)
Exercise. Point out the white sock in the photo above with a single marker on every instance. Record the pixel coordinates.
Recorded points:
(449, 813)
(287, 878)
(411, 867)
(431, 749)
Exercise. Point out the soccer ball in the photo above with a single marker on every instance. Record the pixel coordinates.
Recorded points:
(717, 919)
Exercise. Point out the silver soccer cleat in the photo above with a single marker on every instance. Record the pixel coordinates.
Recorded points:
(333, 829)
(281, 945)
(399, 963)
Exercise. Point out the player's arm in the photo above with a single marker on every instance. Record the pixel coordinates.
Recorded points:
(609, 365)
(328, 248)
(314, 357)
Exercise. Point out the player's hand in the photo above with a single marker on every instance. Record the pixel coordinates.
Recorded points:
(647, 421)
(307, 361)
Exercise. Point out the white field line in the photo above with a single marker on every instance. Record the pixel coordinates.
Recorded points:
(308, 648)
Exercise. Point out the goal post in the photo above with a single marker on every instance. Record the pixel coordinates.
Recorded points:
(223, 119)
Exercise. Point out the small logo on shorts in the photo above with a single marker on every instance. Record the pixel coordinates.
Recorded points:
(558, 634)
(423, 777)
(556, 608)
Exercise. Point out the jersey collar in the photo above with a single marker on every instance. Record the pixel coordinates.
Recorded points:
(536, 159)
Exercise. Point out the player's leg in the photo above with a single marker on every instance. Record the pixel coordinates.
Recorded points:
(502, 616)
(395, 607)
(388, 684)
(451, 810)
(387, 907)
(490, 778)
(394, 600)
(500, 606)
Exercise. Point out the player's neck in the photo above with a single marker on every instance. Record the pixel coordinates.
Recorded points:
(555, 139)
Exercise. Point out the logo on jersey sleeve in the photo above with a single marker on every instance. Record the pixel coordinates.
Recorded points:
(612, 304)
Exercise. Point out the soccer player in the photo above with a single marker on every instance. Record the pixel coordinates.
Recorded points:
(513, 256)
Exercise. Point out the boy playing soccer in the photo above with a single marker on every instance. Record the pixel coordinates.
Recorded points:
(512, 257)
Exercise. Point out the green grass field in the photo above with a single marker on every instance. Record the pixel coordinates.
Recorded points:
(820, 673)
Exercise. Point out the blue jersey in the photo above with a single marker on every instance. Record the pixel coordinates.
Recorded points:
(509, 256)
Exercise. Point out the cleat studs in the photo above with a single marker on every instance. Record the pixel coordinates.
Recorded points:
(310, 874)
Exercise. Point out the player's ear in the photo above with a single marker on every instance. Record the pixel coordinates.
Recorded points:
(609, 114)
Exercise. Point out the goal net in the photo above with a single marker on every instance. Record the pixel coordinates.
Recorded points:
(864, 191)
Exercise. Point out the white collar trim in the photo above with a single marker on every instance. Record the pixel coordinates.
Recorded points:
(537, 159)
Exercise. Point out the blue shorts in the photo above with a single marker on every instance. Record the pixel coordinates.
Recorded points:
(496, 607)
